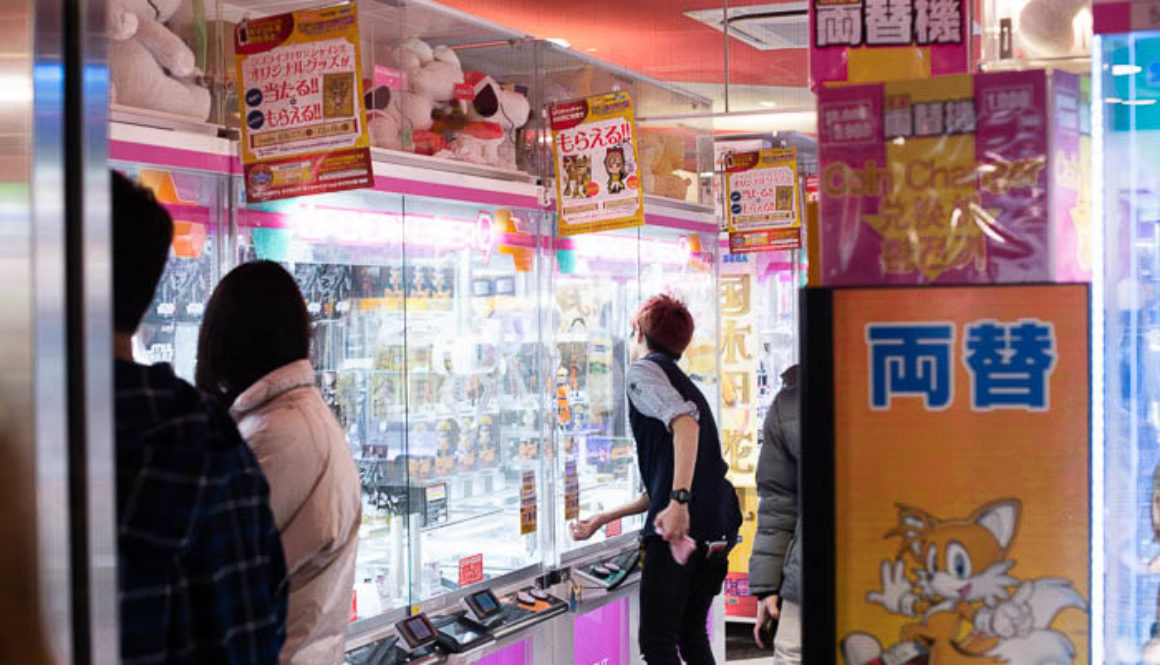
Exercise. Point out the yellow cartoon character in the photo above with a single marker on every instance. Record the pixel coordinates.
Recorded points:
(952, 577)
(615, 165)
(578, 173)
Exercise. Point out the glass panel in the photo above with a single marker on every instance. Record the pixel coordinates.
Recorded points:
(475, 430)
(195, 201)
(685, 264)
(1130, 132)
(597, 290)
(345, 251)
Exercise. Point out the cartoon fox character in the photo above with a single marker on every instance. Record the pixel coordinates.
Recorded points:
(952, 575)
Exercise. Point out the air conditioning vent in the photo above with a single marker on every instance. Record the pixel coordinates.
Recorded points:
(771, 27)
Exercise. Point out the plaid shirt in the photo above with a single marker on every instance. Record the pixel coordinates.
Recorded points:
(202, 575)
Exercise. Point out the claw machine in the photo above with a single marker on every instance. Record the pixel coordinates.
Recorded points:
(1126, 183)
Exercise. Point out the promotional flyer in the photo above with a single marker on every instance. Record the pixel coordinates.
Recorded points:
(955, 455)
(597, 175)
(859, 41)
(762, 201)
(938, 181)
(303, 124)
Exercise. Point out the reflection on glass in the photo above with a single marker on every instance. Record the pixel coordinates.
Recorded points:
(1130, 131)
(168, 332)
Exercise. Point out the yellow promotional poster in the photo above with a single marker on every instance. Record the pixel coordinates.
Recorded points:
(300, 88)
(763, 201)
(960, 475)
(736, 287)
(598, 185)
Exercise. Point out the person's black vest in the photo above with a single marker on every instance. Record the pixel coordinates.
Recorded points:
(714, 512)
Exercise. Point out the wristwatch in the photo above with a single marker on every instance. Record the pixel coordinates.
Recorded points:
(682, 496)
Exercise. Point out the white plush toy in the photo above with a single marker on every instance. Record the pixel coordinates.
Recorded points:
(508, 109)
(432, 75)
(384, 118)
(150, 67)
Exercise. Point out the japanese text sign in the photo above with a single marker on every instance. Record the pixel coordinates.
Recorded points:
(953, 461)
(762, 207)
(470, 570)
(737, 293)
(303, 123)
(942, 180)
(597, 174)
(862, 41)
(528, 518)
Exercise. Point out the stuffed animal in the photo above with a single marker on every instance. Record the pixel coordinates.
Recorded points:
(508, 109)
(1047, 27)
(661, 156)
(150, 66)
(384, 119)
(432, 75)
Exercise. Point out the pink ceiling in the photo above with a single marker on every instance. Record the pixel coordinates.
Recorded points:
(652, 37)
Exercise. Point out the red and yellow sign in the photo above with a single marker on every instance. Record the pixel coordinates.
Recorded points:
(960, 474)
(598, 184)
(762, 209)
(300, 88)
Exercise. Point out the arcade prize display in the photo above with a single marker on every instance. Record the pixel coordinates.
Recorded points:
(474, 358)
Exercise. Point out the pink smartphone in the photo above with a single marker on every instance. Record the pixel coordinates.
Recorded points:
(683, 549)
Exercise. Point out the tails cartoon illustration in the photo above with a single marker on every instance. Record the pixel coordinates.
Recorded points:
(953, 577)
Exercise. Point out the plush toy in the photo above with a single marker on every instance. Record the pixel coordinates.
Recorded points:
(1047, 27)
(432, 75)
(150, 66)
(661, 156)
(508, 109)
(384, 119)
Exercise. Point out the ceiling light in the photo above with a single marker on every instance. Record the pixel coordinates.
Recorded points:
(1113, 100)
(559, 41)
(590, 50)
(1126, 70)
(1139, 102)
(767, 104)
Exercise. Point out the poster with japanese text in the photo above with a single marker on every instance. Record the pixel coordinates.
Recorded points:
(303, 124)
(762, 201)
(1071, 186)
(863, 41)
(938, 181)
(737, 295)
(947, 475)
(597, 173)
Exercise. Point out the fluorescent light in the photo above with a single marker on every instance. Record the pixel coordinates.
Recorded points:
(1114, 100)
(1126, 70)
(767, 104)
(1139, 102)
(15, 89)
(559, 41)
(590, 49)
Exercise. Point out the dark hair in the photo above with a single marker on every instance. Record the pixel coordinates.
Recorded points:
(666, 323)
(142, 234)
(255, 322)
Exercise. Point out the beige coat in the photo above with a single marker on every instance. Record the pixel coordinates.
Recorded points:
(316, 500)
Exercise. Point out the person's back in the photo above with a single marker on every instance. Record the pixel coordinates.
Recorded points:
(316, 501)
(253, 353)
(201, 570)
(775, 564)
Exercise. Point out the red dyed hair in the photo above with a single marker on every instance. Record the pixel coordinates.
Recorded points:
(665, 322)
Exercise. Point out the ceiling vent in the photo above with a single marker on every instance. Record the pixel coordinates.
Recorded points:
(771, 27)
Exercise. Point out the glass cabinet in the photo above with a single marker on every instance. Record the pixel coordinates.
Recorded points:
(1126, 296)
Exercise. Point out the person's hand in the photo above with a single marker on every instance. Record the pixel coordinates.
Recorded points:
(583, 529)
(766, 612)
(673, 522)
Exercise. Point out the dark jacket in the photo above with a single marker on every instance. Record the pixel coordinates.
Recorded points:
(775, 565)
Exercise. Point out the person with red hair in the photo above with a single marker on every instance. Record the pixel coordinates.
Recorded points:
(693, 513)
